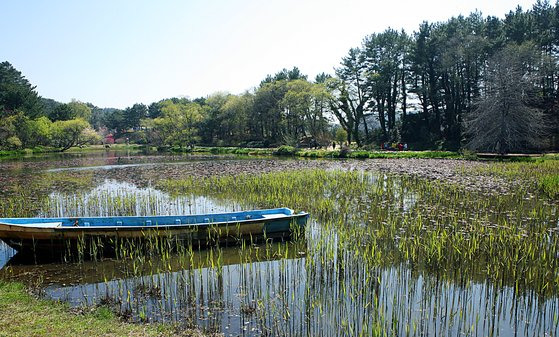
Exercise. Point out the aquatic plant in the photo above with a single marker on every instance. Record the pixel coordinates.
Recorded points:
(382, 255)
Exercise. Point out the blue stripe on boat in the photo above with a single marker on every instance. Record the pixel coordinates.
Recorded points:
(147, 221)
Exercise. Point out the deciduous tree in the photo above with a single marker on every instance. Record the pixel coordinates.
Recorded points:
(506, 119)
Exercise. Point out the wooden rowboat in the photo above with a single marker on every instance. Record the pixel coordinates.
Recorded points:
(39, 234)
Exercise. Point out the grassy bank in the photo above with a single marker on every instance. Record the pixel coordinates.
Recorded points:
(21, 314)
(283, 150)
(322, 153)
(8, 154)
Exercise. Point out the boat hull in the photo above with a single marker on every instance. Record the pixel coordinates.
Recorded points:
(59, 239)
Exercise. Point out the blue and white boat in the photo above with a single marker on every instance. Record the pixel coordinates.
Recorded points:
(38, 234)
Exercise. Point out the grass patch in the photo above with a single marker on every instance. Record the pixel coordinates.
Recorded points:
(549, 184)
(542, 171)
(21, 314)
(11, 154)
(286, 150)
(89, 148)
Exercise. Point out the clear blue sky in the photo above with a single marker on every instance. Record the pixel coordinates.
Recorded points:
(119, 52)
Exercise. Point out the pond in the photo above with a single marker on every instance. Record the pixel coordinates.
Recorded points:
(381, 253)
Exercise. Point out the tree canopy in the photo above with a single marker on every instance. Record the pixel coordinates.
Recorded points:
(441, 87)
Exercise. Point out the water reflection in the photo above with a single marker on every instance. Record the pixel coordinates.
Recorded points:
(114, 198)
(288, 294)
(336, 282)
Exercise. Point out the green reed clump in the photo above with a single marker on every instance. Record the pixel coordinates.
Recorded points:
(541, 174)
(438, 228)
(381, 255)
(549, 184)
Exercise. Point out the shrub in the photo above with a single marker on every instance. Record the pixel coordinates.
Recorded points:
(13, 143)
(285, 150)
(344, 152)
(468, 154)
(359, 154)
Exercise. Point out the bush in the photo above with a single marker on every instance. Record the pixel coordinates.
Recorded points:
(13, 143)
(359, 154)
(468, 154)
(285, 150)
(314, 153)
(254, 144)
(138, 137)
(344, 152)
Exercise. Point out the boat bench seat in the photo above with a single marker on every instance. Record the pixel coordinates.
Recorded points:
(273, 216)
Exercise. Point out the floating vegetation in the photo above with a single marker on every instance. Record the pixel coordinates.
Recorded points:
(382, 255)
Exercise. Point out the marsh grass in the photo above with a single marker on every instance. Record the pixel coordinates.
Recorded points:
(437, 227)
(381, 256)
(541, 173)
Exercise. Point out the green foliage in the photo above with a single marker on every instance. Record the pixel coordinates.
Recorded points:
(36, 132)
(226, 119)
(16, 93)
(89, 136)
(543, 173)
(318, 153)
(61, 112)
(178, 124)
(341, 136)
(74, 109)
(549, 184)
(7, 128)
(66, 134)
(79, 110)
(13, 143)
(285, 150)
(304, 105)
(134, 115)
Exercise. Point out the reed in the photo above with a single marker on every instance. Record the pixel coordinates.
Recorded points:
(381, 256)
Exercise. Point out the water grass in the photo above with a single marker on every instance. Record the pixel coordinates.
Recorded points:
(382, 256)
(541, 173)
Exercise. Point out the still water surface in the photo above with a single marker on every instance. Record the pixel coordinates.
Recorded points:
(313, 286)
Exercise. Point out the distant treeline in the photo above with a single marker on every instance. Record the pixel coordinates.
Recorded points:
(481, 82)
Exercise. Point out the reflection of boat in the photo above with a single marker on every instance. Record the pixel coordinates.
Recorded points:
(21, 268)
(40, 234)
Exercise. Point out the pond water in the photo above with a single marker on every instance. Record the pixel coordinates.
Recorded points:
(380, 254)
